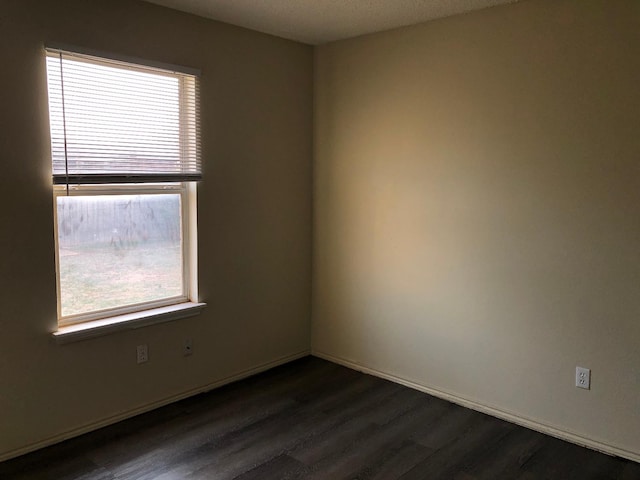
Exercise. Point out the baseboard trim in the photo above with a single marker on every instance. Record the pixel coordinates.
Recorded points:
(489, 410)
(89, 427)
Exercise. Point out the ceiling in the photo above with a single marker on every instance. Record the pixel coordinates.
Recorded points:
(321, 21)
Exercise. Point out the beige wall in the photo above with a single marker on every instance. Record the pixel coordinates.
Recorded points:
(254, 217)
(477, 210)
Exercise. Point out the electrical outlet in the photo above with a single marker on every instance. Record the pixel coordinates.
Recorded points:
(142, 353)
(187, 347)
(583, 378)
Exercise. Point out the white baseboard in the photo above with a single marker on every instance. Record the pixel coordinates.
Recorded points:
(494, 412)
(150, 406)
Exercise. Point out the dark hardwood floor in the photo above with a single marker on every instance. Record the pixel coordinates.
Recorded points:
(312, 419)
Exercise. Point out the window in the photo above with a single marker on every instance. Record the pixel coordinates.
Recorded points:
(126, 156)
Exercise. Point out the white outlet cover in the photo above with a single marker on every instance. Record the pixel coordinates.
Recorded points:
(583, 378)
(142, 353)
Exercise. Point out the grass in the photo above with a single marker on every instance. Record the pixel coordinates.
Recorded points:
(105, 277)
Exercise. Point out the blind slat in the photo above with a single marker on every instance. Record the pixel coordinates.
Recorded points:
(117, 122)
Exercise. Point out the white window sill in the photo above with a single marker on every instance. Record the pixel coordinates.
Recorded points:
(106, 326)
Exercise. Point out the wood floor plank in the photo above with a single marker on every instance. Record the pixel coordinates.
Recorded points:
(472, 443)
(629, 470)
(355, 422)
(355, 457)
(282, 467)
(505, 459)
(395, 461)
(446, 429)
(271, 436)
(191, 441)
(559, 460)
(71, 468)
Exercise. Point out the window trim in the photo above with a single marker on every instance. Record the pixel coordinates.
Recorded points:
(87, 325)
(106, 326)
(116, 57)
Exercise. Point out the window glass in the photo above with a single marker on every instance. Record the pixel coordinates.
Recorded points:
(118, 250)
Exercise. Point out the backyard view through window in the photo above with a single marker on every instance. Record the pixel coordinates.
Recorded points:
(118, 250)
(125, 156)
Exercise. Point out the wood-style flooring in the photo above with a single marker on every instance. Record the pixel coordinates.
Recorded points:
(312, 419)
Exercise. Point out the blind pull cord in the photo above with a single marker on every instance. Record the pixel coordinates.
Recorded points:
(64, 126)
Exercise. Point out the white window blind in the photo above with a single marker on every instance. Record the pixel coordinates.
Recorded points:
(118, 122)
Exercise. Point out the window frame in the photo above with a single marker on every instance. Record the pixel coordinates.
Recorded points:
(98, 322)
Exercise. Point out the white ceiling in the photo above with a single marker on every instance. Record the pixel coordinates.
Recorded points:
(322, 21)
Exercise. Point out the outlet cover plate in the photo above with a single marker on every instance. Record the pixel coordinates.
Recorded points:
(187, 347)
(583, 378)
(142, 353)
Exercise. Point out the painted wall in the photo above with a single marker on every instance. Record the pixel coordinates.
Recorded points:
(477, 210)
(254, 210)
